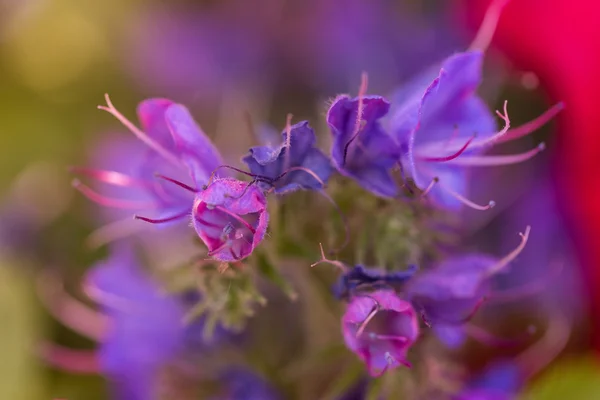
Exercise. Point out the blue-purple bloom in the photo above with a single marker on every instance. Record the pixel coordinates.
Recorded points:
(146, 327)
(361, 148)
(359, 277)
(380, 328)
(231, 218)
(294, 164)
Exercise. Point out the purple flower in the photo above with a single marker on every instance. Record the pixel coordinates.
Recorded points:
(450, 293)
(443, 128)
(161, 177)
(380, 328)
(146, 327)
(361, 148)
(231, 218)
(295, 164)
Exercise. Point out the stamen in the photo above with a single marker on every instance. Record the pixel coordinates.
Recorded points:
(490, 339)
(110, 177)
(212, 175)
(324, 259)
(486, 31)
(69, 311)
(430, 186)
(371, 315)
(288, 141)
(178, 183)
(451, 156)
(491, 161)
(112, 231)
(163, 220)
(109, 201)
(237, 218)
(436, 147)
(75, 361)
(466, 201)
(304, 169)
(395, 338)
(362, 91)
(513, 254)
(166, 154)
(533, 125)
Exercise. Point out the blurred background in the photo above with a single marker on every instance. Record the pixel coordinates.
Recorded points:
(230, 59)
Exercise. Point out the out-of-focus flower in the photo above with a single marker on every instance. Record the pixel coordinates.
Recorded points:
(146, 327)
(361, 148)
(450, 293)
(295, 164)
(230, 217)
(380, 328)
(501, 381)
(140, 330)
(243, 384)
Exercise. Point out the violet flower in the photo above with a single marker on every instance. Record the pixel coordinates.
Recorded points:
(177, 152)
(361, 148)
(380, 328)
(449, 294)
(445, 128)
(145, 330)
(231, 218)
(295, 164)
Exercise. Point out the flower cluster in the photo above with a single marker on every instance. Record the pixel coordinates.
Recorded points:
(410, 151)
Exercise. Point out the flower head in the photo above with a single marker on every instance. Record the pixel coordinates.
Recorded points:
(145, 330)
(361, 148)
(294, 164)
(231, 218)
(380, 328)
(449, 294)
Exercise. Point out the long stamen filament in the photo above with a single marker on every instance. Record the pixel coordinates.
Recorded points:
(109, 201)
(513, 254)
(491, 161)
(363, 325)
(362, 91)
(178, 183)
(532, 125)
(166, 154)
(466, 201)
(110, 177)
(162, 220)
(324, 259)
(237, 218)
(486, 31)
(451, 156)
